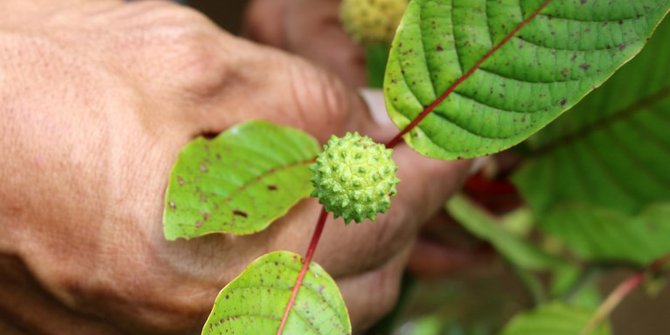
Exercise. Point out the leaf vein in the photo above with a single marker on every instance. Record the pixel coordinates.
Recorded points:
(605, 123)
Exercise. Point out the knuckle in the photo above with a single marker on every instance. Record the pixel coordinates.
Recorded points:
(199, 67)
(174, 46)
(313, 89)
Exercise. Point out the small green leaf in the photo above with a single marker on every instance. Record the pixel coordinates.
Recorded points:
(565, 52)
(552, 319)
(612, 149)
(606, 235)
(254, 302)
(518, 251)
(239, 182)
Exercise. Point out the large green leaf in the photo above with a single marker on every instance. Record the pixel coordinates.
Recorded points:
(238, 182)
(607, 235)
(254, 302)
(612, 149)
(517, 250)
(570, 48)
(552, 319)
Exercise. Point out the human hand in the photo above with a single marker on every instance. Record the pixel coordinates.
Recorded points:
(97, 98)
(312, 29)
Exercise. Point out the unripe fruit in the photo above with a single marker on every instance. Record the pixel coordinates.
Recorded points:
(354, 177)
(372, 21)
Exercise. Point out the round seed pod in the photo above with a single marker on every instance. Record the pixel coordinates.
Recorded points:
(354, 177)
(372, 21)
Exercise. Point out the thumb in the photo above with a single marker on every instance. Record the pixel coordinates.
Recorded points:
(265, 83)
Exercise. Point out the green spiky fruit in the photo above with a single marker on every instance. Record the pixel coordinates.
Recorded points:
(354, 177)
(372, 21)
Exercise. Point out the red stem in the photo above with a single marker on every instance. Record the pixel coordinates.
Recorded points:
(308, 259)
(621, 292)
(391, 144)
(398, 138)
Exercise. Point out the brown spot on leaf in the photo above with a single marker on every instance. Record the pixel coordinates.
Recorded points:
(585, 66)
(172, 205)
(565, 72)
(272, 187)
(238, 212)
(563, 102)
(203, 168)
(198, 224)
(439, 48)
(180, 180)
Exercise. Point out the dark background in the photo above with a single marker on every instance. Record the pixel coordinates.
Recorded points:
(226, 13)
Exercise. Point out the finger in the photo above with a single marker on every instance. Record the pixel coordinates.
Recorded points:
(314, 31)
(310, 29)
(371, 295)
(265, 22)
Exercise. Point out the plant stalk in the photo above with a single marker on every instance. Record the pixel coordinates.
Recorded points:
(621, 292)
(392, 144)
(311, 249)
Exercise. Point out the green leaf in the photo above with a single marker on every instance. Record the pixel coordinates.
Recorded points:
(611, 150)
(239, 182)
(569, 49)
(518, 251)
(606, 235)
(254, 302)
(552, 319)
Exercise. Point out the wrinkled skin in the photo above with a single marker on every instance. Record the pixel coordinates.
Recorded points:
(96, 100)
(312, 28)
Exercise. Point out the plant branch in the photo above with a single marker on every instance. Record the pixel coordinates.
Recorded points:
(622, 291)
(391, 144)
(398, 138)
(316, 236)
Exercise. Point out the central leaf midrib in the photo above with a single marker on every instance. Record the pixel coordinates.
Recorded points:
(262, 176)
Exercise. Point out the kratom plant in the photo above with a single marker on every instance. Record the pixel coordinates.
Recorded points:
(463, 79)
